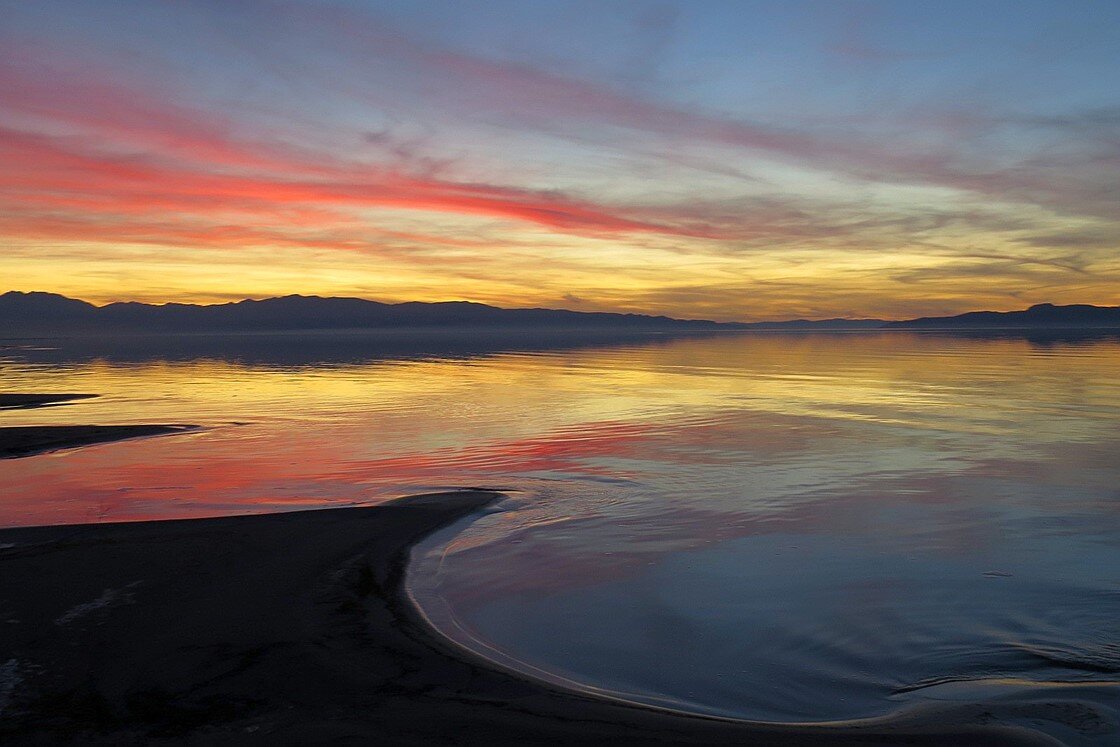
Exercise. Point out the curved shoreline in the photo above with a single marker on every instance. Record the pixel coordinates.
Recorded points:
(297, 628)
(1071, 708)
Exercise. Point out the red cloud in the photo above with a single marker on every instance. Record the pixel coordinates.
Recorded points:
(79, 150)
(126, 153)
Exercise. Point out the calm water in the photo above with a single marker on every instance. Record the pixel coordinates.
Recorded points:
(772, 526)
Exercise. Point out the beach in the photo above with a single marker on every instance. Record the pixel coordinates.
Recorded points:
(295, 628)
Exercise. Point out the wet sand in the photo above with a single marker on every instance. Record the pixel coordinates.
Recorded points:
(295, 628)
(25, 401)
(28, 440)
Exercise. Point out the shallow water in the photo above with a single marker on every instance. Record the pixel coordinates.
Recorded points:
(787, 527)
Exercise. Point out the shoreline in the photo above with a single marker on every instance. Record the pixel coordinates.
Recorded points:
(17, 401)
(18, 441)
(297, 627)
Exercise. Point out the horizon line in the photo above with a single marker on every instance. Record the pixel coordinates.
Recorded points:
(533, 308)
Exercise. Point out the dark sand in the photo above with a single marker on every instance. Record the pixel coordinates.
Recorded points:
(23, 401)
(295, 629)
(27, 440)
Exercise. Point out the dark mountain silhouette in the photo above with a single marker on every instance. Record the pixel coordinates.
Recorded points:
(49, 314)
(1040, 316)
(31, 314)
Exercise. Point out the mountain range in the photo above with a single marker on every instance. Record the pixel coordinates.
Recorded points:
(1039, 316)
(45, 314)
(38, 313)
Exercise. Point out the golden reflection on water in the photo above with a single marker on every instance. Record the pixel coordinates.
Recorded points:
(323, 433)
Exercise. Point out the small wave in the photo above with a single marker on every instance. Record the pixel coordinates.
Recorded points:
(1105, 659)
(1008, 683)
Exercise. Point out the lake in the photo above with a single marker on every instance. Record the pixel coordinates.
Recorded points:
(793, 527)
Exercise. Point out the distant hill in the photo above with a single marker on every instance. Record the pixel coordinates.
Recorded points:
(49, 314)
(37, 314)
(1040, 316)
(820, 325)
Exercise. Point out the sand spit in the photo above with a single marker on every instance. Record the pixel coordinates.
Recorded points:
(11, 401)
(28, 440)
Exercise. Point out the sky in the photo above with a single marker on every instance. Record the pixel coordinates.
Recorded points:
(724, 160)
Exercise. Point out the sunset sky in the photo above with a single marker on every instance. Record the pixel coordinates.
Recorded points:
(725, 160)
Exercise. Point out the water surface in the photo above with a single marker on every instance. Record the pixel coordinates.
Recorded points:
(788, 527)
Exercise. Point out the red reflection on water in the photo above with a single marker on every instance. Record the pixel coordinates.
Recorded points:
(230, 471)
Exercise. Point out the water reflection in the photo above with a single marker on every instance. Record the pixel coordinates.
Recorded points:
(800, 526)
(325, 348)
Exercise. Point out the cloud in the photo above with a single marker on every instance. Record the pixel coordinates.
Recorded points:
(1067, 178)
(374, 54)
(55, 172)
(1090, 239)
(344, 133)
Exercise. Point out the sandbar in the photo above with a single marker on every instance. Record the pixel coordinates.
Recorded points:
(28, 440)
(16, 401)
